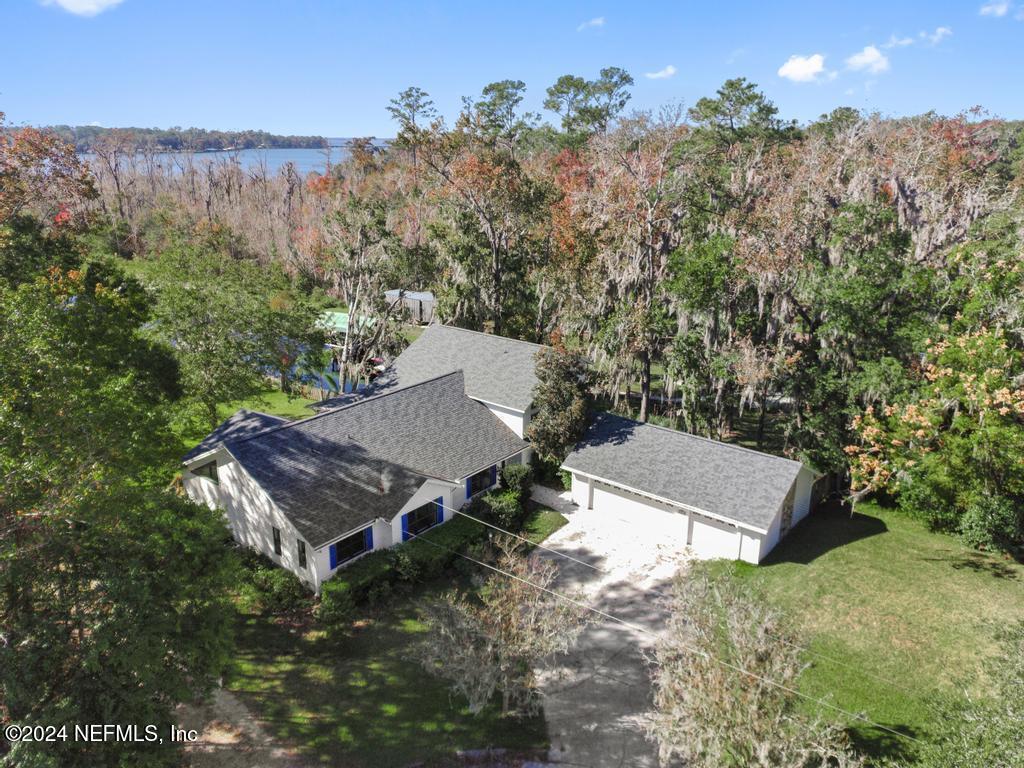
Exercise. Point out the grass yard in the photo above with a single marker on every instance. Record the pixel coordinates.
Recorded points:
(902, 614)
(361, 700)
(272, 400)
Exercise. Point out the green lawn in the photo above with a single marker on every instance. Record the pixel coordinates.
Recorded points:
(902, 614)
(541, 523)
(360, 699)
(272, 400)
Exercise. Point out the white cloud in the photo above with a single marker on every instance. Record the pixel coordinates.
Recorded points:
(597, 21)
(661, 74)
(899, 42)
(870, 59)
(96, 124)
(995, 8)
(803, 69)
(84, 7)
(936, 37)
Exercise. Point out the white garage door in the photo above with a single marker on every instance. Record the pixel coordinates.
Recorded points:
(664, 523)
(646, 515)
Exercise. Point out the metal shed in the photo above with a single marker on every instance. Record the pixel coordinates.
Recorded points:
(419, 305)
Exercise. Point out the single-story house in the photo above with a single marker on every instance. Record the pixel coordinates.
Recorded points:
(732, 502)
(318, 493)
(417, 305)
(377, 467)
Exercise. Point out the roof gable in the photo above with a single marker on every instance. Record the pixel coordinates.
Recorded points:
(348, 466)
(497, 370)
(725, 480)
(243, 423)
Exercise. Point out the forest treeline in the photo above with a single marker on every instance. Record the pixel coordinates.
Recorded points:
(847, 292)
(85, 137)
(731, 273)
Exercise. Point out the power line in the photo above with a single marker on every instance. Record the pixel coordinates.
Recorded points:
(661, 594)
(705, 654)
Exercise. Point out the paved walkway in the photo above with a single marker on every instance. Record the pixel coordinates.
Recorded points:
(598, 698)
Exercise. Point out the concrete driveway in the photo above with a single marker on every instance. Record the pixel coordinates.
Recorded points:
(597, 698)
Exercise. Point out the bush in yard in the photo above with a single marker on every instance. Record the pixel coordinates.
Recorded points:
(992, 522)
(350, 586)
(280, 591)
(709, 712)
(493, 644)
(371, 578)
(517, 479)
(504, 510)
(336, 603)
(566, 478)
(406, 568)
(273, 588)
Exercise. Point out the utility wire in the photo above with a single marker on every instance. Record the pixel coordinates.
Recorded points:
(705, 654)
(661, 594)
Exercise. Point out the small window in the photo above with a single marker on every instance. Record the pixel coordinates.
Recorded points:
(421, 518)
(277, 542)
(481, 481)
(302, 554)
(207, 470)
(351, 546)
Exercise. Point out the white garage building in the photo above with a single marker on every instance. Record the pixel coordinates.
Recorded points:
(731, 502)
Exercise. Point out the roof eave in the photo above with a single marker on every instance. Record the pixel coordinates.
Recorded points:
(683, 505)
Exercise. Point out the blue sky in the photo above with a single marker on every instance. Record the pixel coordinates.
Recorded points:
(329, 67)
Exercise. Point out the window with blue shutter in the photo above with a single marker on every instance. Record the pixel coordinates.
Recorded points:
(422, 518)
(494, 475)
(351, 546)
(469, 487)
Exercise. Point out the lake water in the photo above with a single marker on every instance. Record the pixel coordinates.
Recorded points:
(304, 160)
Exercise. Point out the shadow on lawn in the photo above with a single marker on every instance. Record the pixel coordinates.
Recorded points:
(873, 741)
(361, 699)
(979, 562)
(830, 527)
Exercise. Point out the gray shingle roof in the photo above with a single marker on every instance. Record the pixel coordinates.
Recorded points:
(244, 423)
(731, 482)
(348, 466)
(497, 370)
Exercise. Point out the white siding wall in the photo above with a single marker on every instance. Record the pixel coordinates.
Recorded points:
(321, 558)
(580, 491)
(429, 491)
(515, 420)
(713, 538)
(250, 513)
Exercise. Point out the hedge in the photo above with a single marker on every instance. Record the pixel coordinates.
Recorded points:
(420, 559)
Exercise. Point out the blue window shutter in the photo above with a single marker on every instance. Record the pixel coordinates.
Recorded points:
(405, 527)
(334, 557)
(368, 538)
(494, 475)
(469, 487)
(439, 507)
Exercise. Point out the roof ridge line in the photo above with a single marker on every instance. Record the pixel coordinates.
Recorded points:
(361, 401)
(484, 333)
(706, 439)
